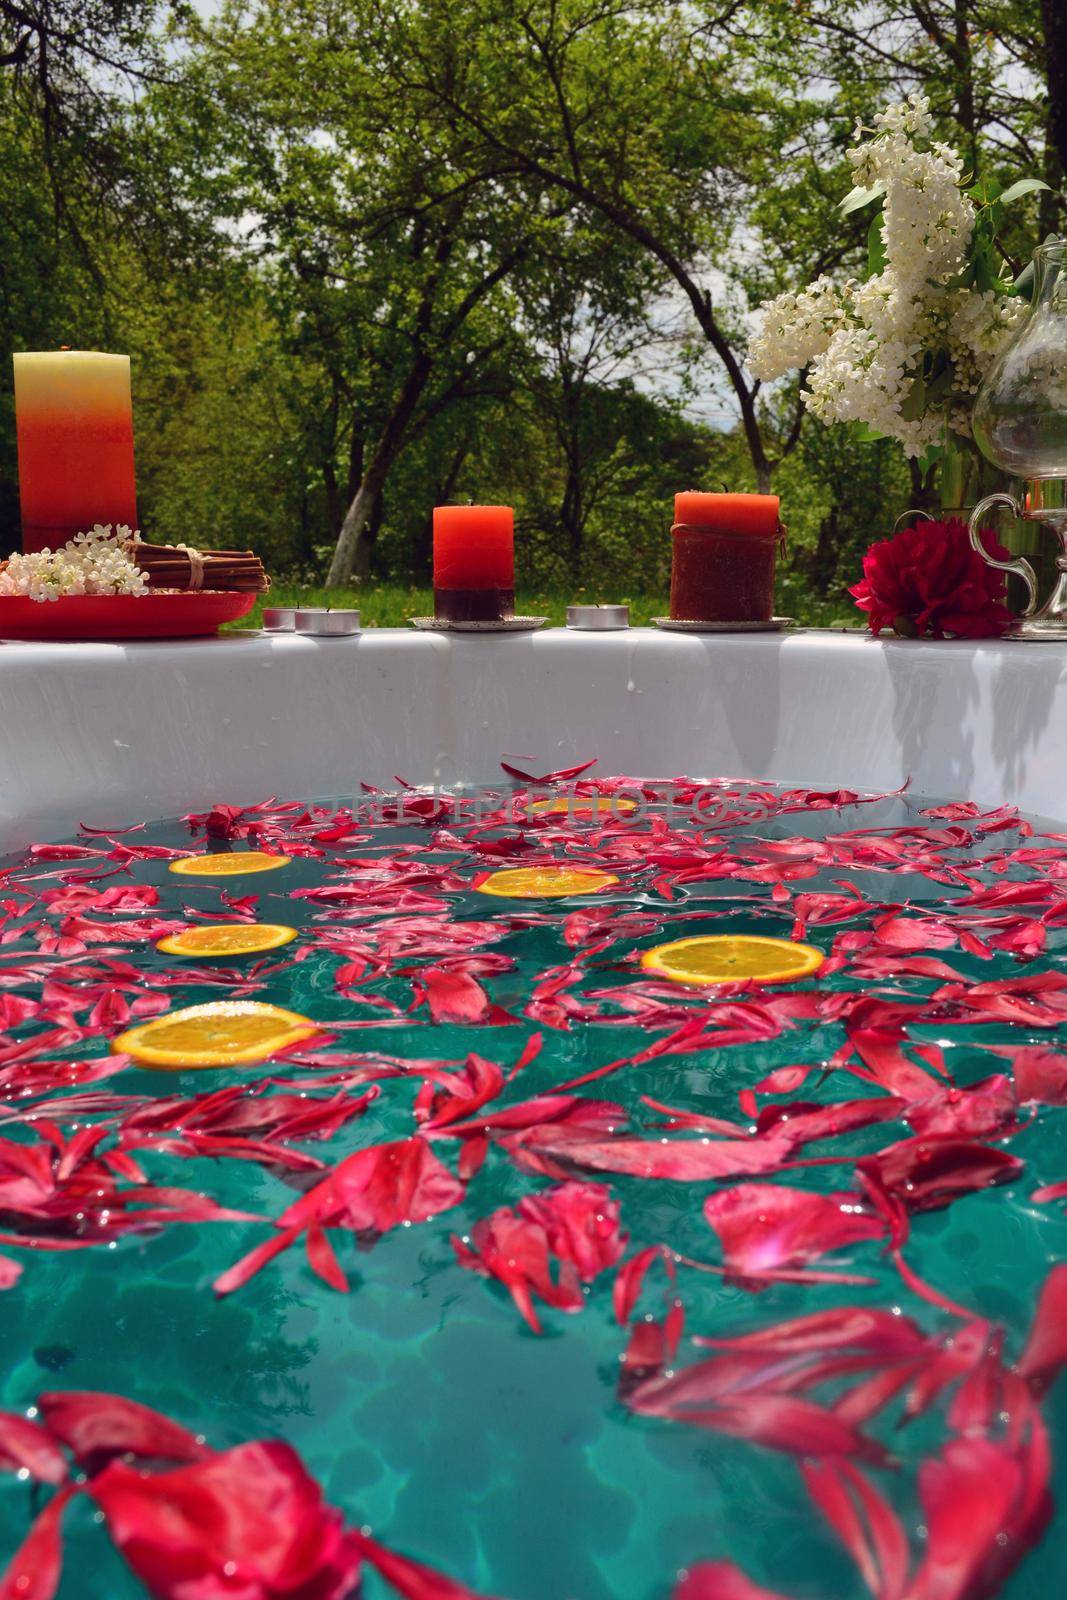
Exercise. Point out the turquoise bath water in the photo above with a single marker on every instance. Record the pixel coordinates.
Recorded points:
(421, 1402)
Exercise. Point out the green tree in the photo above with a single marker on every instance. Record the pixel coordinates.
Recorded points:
(399, 289)
(652, 118)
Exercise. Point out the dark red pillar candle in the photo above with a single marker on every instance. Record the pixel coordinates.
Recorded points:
(722, 566)
(473, 563)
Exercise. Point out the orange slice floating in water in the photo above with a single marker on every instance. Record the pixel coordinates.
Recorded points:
(223, 1033)
(584, 805)
(227, 863)
(227, 939)
(733, 958)
(542, 883)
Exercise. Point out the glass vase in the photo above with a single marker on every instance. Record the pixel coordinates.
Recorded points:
(1020, 425)
(964, 476)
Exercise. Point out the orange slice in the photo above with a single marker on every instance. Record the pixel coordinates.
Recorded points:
(227, 939)
(223, 1033)
(733, 958)
(542, 883)
(227, 863)
(584, 805)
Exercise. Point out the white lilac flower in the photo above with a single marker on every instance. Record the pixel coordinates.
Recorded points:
(798, 326)
(97, 562)
(865, 343)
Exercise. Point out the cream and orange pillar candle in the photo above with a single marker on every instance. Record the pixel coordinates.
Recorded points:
(74, 419)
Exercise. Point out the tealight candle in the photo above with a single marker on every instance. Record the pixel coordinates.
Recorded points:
(598, 619)
(325, 622)
(473, 563)
(722, 567)
(279, 619)
(74, 420)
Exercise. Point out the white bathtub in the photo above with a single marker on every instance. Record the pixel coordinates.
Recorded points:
(110, 734)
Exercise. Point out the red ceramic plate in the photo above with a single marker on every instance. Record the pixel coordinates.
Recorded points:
(122, 616)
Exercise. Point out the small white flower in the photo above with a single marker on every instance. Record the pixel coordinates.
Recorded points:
(797, 327)
(97, 562)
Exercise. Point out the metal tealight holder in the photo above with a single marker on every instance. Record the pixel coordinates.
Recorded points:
(597, 618)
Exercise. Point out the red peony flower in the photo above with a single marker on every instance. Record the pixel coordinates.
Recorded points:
(244, 1524)
(926, 581)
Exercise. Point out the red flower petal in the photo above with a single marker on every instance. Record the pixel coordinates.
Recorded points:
(864, 1522)
(96, 1426)
(681, 1161)
(577, 1224)
(371, 1191)
(1046, 1347)
(454, 997)
(765, 1228)
(984, 1506)
(1040, 1074)
(248, 1520)
(925, 1174)
(35, 1569)
(27, 1447)
(983, 1108)
(561, 776)
(777, 1421)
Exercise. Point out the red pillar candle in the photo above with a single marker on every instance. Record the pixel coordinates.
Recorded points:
(74, 420)
(473, 563)
(722, 566)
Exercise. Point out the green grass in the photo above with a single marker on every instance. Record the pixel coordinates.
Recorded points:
(389, 605)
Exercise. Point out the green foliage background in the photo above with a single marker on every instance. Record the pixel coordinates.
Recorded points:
(502, 250)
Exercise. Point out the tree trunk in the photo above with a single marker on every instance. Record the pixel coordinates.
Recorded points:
(350, 541)
(570, 510)
(823, 564)
(334, 513)
(1054, 23)
(1050, 200)
(963, 64)
(388, 448)
(306, 543)
(397, 429)
(368, 538)
(335, 507)
(443, 493)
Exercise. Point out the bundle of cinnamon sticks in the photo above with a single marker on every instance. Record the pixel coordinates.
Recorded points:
(168, 567)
